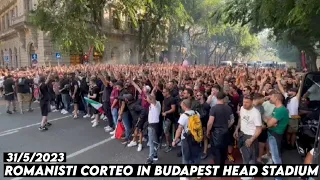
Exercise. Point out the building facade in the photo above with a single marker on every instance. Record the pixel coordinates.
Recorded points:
(21, 44)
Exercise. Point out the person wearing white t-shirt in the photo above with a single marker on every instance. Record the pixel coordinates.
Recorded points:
(250, 126)
(193, 157)
(292, 104)
(153, 126)
(1, 86)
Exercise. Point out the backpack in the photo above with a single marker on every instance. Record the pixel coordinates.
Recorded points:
(195, 128)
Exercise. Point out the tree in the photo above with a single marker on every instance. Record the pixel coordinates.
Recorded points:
(291, 21)
(72, 24)
(160, 18)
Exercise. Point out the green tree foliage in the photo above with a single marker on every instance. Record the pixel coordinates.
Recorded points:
(75, 25)
(72, 24)
(296, 22)
(221, 41)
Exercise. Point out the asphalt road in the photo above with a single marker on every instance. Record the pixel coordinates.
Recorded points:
(82, 143)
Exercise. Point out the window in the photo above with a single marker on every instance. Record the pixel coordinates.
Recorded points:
(7, 20)
(3, 23)
(16, 11)
(30, 5)
(131, 26)
(115, 20)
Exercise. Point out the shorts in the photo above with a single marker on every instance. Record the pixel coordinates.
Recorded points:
(263, 137)
(167, 126)
(9, 97)
(24, 97)
(77, 99)
(44, 108)
(293, 125)
(140, 124)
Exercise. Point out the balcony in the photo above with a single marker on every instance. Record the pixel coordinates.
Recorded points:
(7, 33)
(19, 22)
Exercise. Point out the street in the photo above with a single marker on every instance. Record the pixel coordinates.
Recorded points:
(82, 143)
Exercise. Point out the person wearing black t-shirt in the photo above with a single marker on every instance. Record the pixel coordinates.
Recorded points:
(94, 94)
(221, 118)
(75, 94)
(124, 113)
(204, 110)
(24, 92)
(9, 93)
(64, 90)
(168, 112)
(44, 96)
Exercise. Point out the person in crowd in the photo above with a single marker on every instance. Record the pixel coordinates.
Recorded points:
(212, 99)
(58, 99)
(65, 94)
(123, 113)
(220, 120)
(168, 113)
(84, 91)
(106, 93)
(250, 126)
(277, 125)
(9, 93)
(114, 103)
(94, 94)
(24, 92)
(191, 153)
(1, 85)
(234, 101)
(204, 116)
(44, 97)
(292, 97)
(258, 100)
(153, 123)
(75, 94)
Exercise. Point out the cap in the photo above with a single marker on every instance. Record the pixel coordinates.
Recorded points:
(293, 90)
(127, 97)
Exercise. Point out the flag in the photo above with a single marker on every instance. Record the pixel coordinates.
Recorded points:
(95, 104)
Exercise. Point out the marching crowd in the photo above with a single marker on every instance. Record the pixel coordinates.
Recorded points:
(199, 108)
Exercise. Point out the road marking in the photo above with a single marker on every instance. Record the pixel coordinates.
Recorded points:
(79, 152)
(7, 133)
(88, 148)
(19, 128)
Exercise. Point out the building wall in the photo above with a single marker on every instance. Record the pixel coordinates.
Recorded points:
(19, 40)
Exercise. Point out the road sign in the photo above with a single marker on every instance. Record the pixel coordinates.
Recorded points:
(34, 56)
(6, 59)
(58, 55)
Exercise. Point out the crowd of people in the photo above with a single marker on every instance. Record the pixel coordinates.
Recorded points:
(248, 108)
